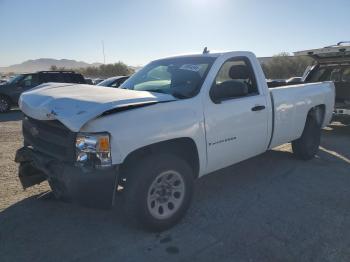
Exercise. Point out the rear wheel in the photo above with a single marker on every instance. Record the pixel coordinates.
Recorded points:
(158, 192)
(306, 147)
(5, 104)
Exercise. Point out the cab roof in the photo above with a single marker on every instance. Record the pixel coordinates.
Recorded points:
(214, 54)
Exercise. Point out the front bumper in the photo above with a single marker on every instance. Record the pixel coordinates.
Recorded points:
(86, 186)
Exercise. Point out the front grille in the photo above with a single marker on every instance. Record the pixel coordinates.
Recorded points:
(50, 137)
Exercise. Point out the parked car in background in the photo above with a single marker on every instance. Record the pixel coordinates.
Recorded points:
(113, 81)
(294, 80)
(3, 81)
(89, 81)
(97, 81)
(175, 120)
(332, 64)
(284, 82)
(11, 91)
(275, 82)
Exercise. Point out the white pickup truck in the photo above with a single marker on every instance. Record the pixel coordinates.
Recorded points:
(175, 120)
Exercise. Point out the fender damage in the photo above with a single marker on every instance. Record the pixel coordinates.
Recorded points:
(85, 102)
(87, 186)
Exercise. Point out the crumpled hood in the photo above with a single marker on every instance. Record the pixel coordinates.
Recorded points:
(74, 105)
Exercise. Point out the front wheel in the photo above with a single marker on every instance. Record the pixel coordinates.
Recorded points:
(306, 147)
(5, 104)
(158, 191)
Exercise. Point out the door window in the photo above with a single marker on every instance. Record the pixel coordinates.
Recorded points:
(236, 73)
(346, 75)
(335, 75)
(328, 74)
(29, 81)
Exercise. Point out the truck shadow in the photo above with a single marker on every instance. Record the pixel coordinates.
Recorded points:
(13, 115)
(338, 128)
(336, 140)
(240, 204)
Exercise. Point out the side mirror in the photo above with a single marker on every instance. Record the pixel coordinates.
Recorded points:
(228, 89)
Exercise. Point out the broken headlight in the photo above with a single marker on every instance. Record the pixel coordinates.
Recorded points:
(93, 149)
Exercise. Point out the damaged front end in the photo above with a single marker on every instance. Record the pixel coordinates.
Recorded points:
(78, 166)
(49, 153)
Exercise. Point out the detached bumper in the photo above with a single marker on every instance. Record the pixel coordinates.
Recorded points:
(85, 186)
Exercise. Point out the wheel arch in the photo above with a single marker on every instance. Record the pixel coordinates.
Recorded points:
(318, 112)
(183, 147)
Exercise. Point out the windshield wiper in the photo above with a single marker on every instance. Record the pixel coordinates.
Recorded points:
(175, 94)
(157, 91)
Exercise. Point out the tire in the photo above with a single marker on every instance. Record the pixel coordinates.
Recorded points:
(158, 192)
(5, 104)
(306, 147)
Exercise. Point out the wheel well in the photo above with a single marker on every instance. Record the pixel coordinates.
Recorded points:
(184, 148)
(317, 112)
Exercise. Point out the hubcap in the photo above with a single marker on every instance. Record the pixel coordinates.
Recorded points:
(166, 194)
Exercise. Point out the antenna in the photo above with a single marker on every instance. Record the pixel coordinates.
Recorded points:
(103, 52)
(205, 51)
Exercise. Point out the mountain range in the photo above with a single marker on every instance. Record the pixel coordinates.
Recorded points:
(42, 64)
(45, 64)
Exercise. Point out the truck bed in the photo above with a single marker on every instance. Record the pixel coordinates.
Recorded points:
(290, 106)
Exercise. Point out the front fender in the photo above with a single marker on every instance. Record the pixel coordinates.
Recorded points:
(137, 128)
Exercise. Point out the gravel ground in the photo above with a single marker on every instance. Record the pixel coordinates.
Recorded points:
(10, 140)
(269, 208)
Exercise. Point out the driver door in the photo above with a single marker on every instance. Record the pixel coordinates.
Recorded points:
(236, 127)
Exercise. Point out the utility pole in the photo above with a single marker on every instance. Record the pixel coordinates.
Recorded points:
(103, 52)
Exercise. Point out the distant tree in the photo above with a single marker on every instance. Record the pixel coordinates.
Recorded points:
(283, 66)
(56, 68)
(107, 70)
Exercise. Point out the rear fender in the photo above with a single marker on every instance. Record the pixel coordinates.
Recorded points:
(318, 113)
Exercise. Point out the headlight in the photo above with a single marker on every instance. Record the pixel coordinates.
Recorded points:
(93, 149)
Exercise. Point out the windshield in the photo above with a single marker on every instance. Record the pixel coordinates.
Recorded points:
(15, 79)
(181, 77)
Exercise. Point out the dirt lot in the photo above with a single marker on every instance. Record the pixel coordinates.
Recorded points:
(270, 208)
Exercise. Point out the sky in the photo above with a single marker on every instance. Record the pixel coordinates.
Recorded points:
(136, 32)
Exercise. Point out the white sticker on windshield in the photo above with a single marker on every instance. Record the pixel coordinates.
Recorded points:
(194, 68)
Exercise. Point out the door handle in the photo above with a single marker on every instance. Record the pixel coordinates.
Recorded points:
(258, 108)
